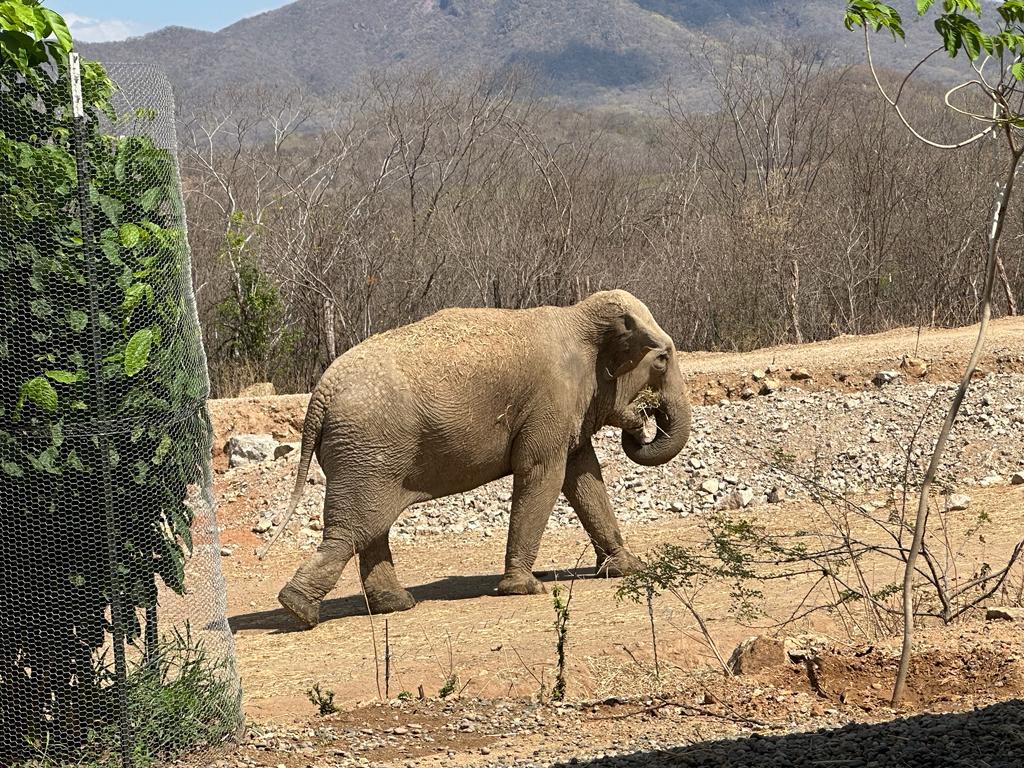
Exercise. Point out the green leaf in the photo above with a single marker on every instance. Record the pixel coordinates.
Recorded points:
(162, 449)
(40, 308)
(136, 354)
(130, 235)
(1018, 70)
(112, 208)
(59, 27)
(75, 462)
(38, 391)
(151, 198)
(134, 295)
(64, 377)
(77, 319)
(923, 6)
(12, 469)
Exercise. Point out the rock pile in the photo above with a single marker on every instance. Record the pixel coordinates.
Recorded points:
(764, 450)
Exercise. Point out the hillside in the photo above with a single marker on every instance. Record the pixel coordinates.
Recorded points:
(584, 52)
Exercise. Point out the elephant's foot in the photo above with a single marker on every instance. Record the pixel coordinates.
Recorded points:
(389, 601)
(520, 584)
(622, 563)
(306, 611)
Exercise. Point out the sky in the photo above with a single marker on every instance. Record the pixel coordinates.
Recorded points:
(95, 21)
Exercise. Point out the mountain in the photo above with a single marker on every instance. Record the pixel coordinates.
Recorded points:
(585, 52)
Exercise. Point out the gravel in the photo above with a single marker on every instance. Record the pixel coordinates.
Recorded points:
(741, 453)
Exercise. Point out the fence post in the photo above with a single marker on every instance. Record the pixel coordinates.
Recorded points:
(112, 535)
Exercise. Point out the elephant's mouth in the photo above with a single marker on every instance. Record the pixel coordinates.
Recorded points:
(640, 419)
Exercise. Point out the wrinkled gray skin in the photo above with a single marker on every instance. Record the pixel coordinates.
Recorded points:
(468, 396)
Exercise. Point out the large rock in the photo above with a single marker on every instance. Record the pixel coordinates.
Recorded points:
(757, 653)
(914, 366)
(885, 377)
(1004, 613)
(261, 389)
(956, 502)
(770, 386)
(250, 449)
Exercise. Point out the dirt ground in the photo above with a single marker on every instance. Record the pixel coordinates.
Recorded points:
(502, 650)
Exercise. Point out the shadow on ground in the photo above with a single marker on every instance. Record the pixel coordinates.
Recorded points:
(990, 737)
(448, 588)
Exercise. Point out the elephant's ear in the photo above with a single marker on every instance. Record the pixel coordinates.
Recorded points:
(627, 343)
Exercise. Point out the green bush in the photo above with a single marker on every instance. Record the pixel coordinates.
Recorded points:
(104, 436)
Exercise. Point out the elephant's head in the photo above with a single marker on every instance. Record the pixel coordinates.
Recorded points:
(638, 369)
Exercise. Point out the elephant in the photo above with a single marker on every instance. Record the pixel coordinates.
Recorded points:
(465, 397)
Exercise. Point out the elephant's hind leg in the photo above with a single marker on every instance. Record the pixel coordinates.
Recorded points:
(314, 579)
(384, 593)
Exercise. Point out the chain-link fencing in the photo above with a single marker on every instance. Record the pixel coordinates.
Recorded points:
(114, 643)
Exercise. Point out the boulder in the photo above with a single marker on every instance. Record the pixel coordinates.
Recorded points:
(1004, 613)
(884, 377)
(757, 653)
(770, 386)
(284, 449)
(250, 449)
(801, 374)
(914, 366)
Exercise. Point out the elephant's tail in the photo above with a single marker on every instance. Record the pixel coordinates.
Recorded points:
(310, 438)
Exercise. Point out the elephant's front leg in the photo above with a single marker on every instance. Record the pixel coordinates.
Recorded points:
(585, 489)
(535, 489)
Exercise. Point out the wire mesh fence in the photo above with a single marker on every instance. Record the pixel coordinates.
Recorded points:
(114, 643)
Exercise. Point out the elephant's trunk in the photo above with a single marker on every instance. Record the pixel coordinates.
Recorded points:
(673, 421)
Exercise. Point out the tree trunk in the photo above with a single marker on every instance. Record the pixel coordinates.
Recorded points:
(329, 337)
(794, 300)
(998, 220)
(1011, 300)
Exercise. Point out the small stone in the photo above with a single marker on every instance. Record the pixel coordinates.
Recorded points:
(770, 386)
(263, 525)
(988, 482)
(884, 377)
(1004, 613)
(696, 463)
(400, 731)
(745, 496)
(284, 449)
(678, 506)
(747, 393)
(225, 552)
(710, 486)
(957, 502)
(801, 374)
(757, 375)
(1017, 478)
(776, 495)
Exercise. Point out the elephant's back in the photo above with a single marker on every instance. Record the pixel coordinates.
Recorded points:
(455, 343)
